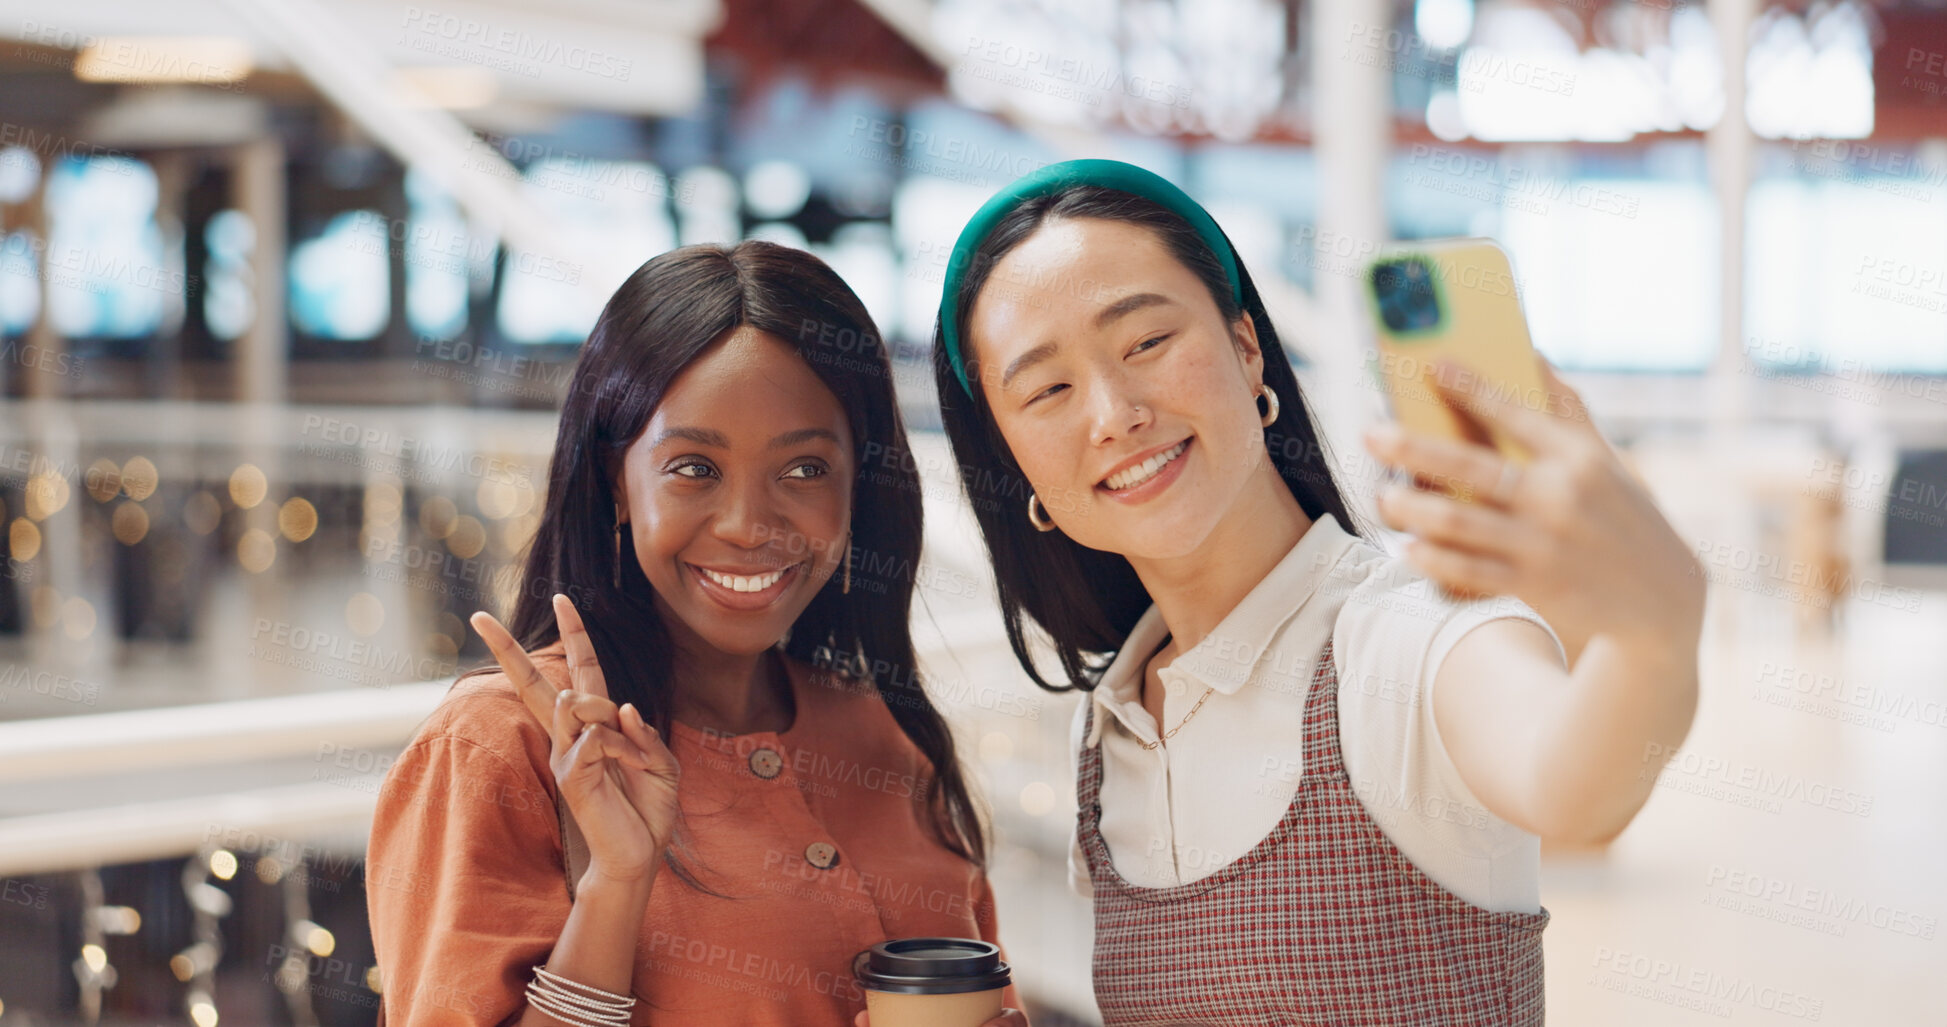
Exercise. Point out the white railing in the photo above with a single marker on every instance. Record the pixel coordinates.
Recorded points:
(206, 735)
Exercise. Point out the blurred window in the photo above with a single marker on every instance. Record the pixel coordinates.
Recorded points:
(341, 280)
(1846, 258)
(611, 216)
(441, 257)
(229, 293)
(109, 271)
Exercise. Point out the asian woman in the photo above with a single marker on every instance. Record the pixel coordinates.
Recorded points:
(1313, 777)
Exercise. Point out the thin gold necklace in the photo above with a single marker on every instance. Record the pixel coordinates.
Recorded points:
(1179, 725)
(1171, 733)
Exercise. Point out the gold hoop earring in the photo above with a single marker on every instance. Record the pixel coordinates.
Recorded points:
(1038, 516)
(616, 576)
(1270, 395)
(846, 589)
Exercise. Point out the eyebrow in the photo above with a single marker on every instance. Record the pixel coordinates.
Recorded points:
(792, 438)
(711, 437)
(1128, 305)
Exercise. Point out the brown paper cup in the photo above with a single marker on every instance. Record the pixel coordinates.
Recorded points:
(931, 982)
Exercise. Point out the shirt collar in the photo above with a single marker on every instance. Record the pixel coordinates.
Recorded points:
(1226, 658)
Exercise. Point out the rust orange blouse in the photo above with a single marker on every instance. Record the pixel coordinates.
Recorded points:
(815, 834)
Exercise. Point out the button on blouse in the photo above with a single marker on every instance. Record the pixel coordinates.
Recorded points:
(766, 763)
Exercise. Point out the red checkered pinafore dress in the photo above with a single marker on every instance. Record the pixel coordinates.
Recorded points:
(1324, 922)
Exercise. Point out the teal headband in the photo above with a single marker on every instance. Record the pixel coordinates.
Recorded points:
(1111, 174)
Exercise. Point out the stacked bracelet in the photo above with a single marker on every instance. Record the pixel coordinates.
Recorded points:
(572, 1002)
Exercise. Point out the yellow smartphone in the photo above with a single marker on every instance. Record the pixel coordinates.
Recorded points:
(1452, 300)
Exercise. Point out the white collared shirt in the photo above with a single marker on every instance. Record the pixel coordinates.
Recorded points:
(1184, 810)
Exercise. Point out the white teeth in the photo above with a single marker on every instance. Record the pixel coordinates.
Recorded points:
(1146, 470)
(741, 583)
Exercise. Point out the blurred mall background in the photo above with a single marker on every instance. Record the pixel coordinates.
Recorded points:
(290, 290)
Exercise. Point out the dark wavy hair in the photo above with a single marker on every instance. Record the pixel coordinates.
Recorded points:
(1087, 600)
(663, 317)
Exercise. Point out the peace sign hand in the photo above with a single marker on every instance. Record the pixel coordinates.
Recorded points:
(1571, 533)
(617, 777)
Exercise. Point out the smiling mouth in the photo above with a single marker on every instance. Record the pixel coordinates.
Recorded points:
(1130, 477)
(745, 582)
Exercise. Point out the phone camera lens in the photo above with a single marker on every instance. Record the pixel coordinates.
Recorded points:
(1404, 289)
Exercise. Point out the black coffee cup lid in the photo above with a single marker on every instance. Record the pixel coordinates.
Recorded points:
(931, 966)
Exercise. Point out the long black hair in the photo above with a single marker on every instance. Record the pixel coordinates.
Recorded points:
(1087, 600)
(663, 317)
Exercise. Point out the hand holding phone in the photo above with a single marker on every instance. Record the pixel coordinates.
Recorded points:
(1451, 300)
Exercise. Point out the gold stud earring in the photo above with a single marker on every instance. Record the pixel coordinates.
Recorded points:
(847, 588)
(1038, 516)
(1270, 400)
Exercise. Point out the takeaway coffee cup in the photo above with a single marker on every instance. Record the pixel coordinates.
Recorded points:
(931, 982)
